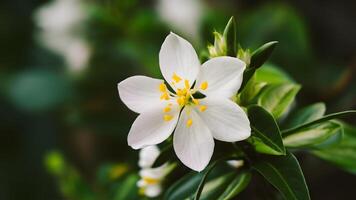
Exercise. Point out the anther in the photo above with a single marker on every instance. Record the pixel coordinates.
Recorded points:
(176, 78)
(204, 85)
(167, 118)
(189, 122)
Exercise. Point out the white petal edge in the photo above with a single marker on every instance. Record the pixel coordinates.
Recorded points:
(226, 120)
(150, 128)
(147, 156)
(153, 190)
(140, 93)
(223, 75)
(177, 56)
(193, 145)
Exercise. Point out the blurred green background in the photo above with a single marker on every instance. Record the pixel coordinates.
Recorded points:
(61, 60)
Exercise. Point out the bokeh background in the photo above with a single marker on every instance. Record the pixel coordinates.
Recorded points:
(61, 60)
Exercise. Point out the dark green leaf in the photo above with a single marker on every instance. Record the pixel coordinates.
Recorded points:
(262, 54)
(238, 184)
(342, 154)
(266, 129)
(306, 114)
(203, 180)
(277, 98)
(184, 187)
(320, 120)
(285, 174)
(230, 37)
(322, 135)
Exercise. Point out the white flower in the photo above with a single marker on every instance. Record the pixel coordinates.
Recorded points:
(236, 163)
(195, 121)
(61, 30)
(184, 16)
(151, 178)
(147, 156)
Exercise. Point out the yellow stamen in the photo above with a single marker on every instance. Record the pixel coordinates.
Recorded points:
(186, 83)
(204, 85)
(162, 87)
(149, 180)
(176, 78)
(189, 122)
(195, 101)
(164, 96)
(167, 118)
(202, 108)
(167, 109)
(181, 101)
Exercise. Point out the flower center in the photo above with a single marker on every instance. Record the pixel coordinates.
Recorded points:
(183, 96)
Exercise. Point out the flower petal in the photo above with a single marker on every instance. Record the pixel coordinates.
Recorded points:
(152, 127)
(140, 93)
(192, 141)
(153, 190)
(221, 76)
(178, 57)
(225, 119)
(147, 156)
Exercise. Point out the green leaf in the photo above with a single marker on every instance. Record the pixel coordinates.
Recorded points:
(342, 154)
(127, 189)
(258, 58)
(251, 90)
(261, 55)
(184, 187)
(319, 136)
(277, 98)
(318, 121)
(230, 37)
(285, 174)
(266, 129)
(203, 180)
(306, 114)
(272, 74)
(238, 184)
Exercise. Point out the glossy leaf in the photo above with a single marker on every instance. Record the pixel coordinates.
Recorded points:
(261, 55)
(258, 58)
(266, 129)
(230, 37)
(318, 136)
(285, 174)
(277, 98)
(238, 184)
(184, 187)
(318, 121)
(306, 114)
(342, 154)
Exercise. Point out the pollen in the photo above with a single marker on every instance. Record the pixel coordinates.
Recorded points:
(202, 108)
(176, 78)
(167, 109)
(162, 87)
(189, 122)
(204, 85)
(164, 96)
(167, 118)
